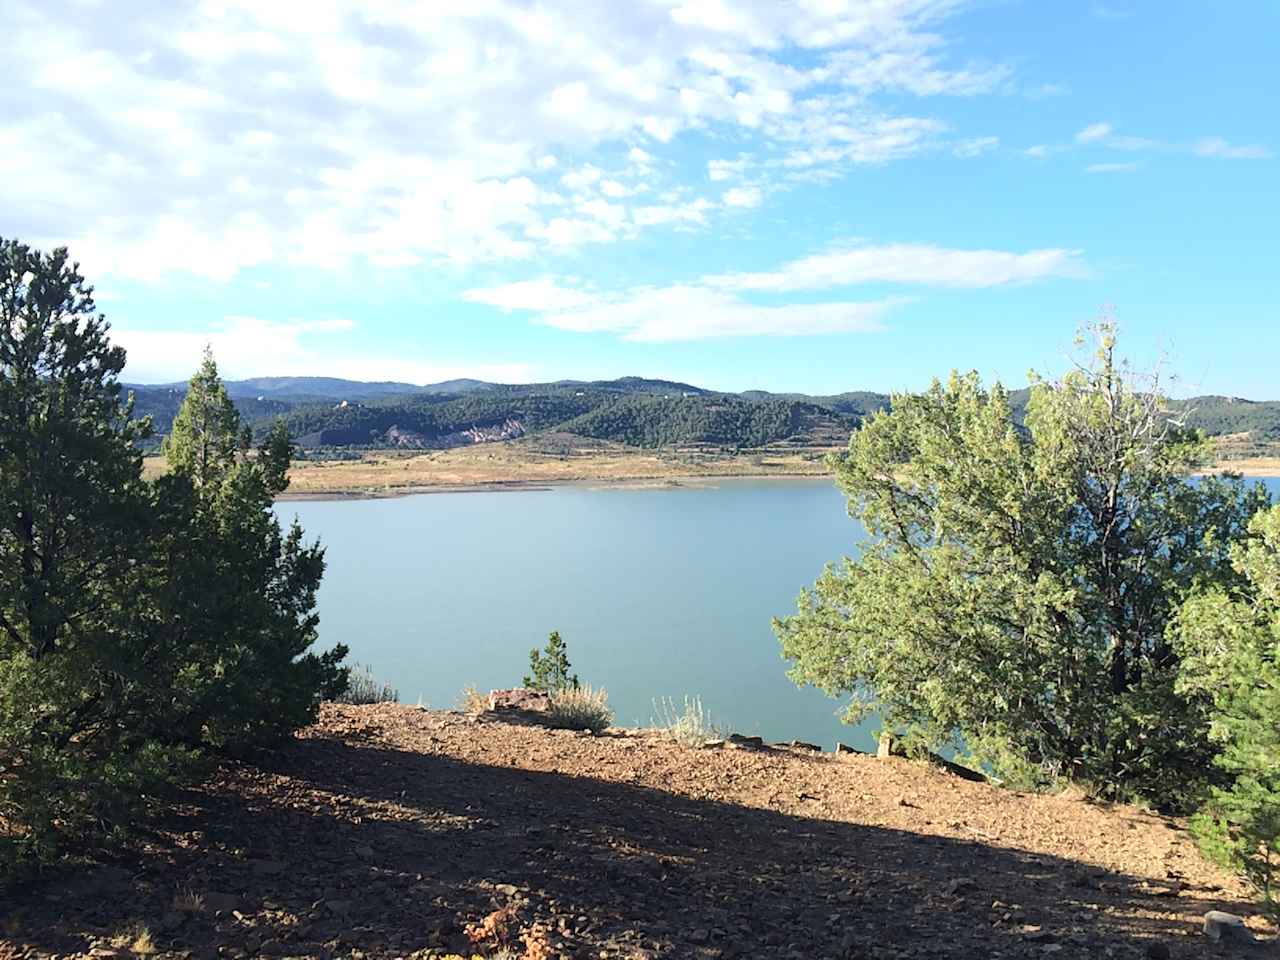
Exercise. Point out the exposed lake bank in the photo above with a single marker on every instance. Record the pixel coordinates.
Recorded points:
(532, 464)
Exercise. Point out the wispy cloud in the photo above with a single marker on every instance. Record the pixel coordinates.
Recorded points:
(1131, 167)
(915, 264)
(1094, 132)
(1218, 147)
(210, 138)
(1105, 135)
(975, 146)
(250, 346)
(718, 305)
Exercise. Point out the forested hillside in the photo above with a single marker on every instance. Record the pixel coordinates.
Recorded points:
(325, 412)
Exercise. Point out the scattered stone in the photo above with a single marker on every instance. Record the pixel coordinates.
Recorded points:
(1226, 927)
(739, 740)
(845, 748)
(224, 902)
(712, 744)
(959, 885)
(520, 698)
(1158, 951)
(699, 935)
(805, 745)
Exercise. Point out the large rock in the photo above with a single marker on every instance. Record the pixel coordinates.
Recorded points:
(1223, 927)
(519, 699)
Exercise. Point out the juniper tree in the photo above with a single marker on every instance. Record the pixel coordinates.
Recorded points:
(140, 623)
(244, 589)
(74, 553)
(1018, 578)
(1230, 645)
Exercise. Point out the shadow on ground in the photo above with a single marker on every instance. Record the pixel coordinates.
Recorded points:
(355, 846)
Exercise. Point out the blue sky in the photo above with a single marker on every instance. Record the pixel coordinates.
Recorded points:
(808, 195)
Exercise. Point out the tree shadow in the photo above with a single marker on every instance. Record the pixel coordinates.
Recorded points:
(355, 845)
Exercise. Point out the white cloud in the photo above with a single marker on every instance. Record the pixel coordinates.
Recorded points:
(694, 212)
(1040, 151)
(720, 170)
(211, 137)
(253, 347)
(1094, 132)
(975, 146)
(745, 197)
(543, 295)
(1218, 147)
(907, 264)
(680, 312)
(1113, 168)
(716, 306)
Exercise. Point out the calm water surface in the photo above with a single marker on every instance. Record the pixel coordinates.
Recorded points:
(658, 593)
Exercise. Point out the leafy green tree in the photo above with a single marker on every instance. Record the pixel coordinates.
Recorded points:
(549, 668)
(1230, 646)
(206, 436)
(1017, 582)
(242, 589)
(75, 671)
(140, 623)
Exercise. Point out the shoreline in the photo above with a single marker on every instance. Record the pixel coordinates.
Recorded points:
(546, 486)
(510, 468)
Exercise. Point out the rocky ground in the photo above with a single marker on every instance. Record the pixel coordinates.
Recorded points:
(390, 831)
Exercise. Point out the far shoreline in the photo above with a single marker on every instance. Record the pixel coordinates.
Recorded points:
(520, 467)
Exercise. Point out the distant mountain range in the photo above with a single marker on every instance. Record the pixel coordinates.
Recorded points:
(328, 412)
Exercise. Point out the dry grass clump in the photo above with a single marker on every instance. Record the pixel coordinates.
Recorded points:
(580, 708)
(472, 700)
(690, 725)
(187, 901)
(363, 687)
(136, 939)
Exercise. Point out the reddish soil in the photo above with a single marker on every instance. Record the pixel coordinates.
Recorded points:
(385, 831)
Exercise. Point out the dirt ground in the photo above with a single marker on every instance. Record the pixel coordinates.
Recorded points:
(390, 831)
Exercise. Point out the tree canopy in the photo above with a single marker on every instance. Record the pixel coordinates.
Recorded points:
(1229, 638)
(140, 623)
(1018, 580)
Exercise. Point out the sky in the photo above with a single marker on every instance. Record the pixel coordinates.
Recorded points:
(792, 195)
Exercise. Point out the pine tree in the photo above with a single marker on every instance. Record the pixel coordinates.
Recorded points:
(245, 590)
(1230, 641)
(549, 669)
(75, 520)
(207, 437)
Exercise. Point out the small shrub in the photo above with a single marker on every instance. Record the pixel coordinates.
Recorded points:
(188, 901)
(690, 725)
(580, 708)
(472, 700)
(549, 668)
(363, 688)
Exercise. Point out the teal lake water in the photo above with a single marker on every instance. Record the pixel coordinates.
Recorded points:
(658, 592)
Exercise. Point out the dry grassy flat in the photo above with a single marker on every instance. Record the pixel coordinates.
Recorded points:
(529, 463)
(536, 461)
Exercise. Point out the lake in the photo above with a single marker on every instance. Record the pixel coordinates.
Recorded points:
(657, 592)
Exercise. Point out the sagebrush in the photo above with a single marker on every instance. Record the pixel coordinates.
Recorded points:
(689, 724)
(580, 708)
